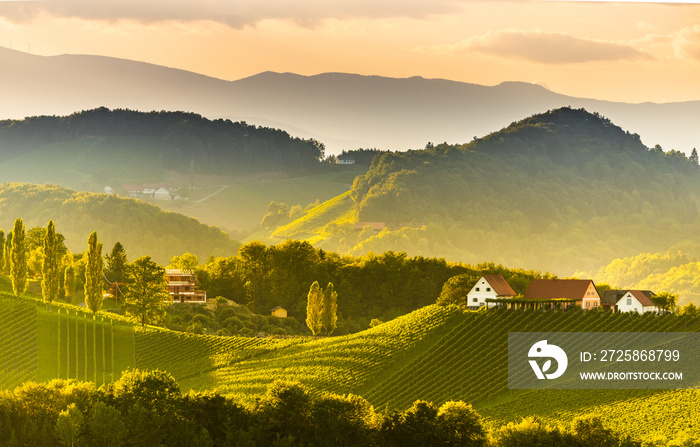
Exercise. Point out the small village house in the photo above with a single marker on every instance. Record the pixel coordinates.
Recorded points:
(488, 287)
(182, 287)
(345, 160)
(162, 194)
(279, 311)
(581, 292)
(637, 301)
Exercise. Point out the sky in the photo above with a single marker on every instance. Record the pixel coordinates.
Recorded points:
(617, 51)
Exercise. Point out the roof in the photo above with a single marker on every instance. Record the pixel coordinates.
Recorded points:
(162, 190)
(642, 297)
(346, 157)
(276, 308)
(558, 288)
(611, 297)
(499, 285)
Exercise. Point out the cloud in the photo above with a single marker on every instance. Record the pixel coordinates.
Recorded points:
(543, 47)
(235, 13)
(687, 43)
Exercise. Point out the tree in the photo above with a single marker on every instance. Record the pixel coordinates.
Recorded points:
(187, 262)
(69, 425)
(2, 251)
(694, 157)
(455, 290)
(106, 427)
(7, 254)
(18, 259)
(116, 265)
(689, 309)
(665, 301)
(49, 265)
(146, 291)
(461, 425)
(69, 282)
(93, 274)
(330, 309)
(314, 308)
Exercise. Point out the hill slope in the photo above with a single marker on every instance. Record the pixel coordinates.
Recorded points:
(393, 114)
(563, 191)
(137, 225)
(434, 353)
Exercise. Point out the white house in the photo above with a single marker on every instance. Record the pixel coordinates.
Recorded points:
(636, 301)
(162, 194)
(488, 286)
(345, 160)
(109, 190)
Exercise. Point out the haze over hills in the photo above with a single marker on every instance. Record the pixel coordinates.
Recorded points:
(344, 111)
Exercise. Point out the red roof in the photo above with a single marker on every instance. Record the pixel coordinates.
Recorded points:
(574, 289)
(642, 298)
(499, 285)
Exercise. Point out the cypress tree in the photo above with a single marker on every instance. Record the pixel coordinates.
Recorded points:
(49, 265)
(314, 308)
(7, 253)
(18, 259)
(93, 274)
(116, 266)
(2, 250)
(330, 309)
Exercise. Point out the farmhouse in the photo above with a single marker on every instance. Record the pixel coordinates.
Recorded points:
(637, 301)
(345, 160)
(581, 292)
(182, 287)
(488, 287)
(279, 312)
(162, 194)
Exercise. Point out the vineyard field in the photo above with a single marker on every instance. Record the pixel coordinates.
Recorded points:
(435, 353)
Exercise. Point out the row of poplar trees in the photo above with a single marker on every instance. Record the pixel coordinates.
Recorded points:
(321, 308)
(15, 253)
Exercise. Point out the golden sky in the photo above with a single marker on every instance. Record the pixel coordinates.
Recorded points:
(620, 51)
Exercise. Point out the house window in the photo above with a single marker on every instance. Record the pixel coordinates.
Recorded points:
(475, 300)
(588, 304)
(629, 301)
(595, 304)
(477, 289)
(488, 289)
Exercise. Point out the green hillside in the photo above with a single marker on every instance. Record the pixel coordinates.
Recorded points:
(435, 353)
(143, 229)
(562, 191)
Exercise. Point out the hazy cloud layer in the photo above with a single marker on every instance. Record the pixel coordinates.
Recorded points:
(235, 13)
(687, 43)
(543, 47)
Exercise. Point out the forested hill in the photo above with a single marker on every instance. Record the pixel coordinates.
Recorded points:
(143, 229)
(182, 142)
(563, 191)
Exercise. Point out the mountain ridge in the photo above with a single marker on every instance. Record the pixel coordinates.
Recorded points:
(344, 111)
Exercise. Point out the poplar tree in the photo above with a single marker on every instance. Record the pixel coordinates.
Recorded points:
(314, 308)
(2, 250)
(18, 259)
(7, 250)
(69, 281)
(330, 309)
(49, 265)
(93, 274)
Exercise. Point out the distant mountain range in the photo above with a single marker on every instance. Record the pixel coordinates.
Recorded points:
(344, 111)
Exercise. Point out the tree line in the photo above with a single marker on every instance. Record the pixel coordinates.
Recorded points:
(148, 408)
(216, 146)
(372, 286)
(143, 282)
